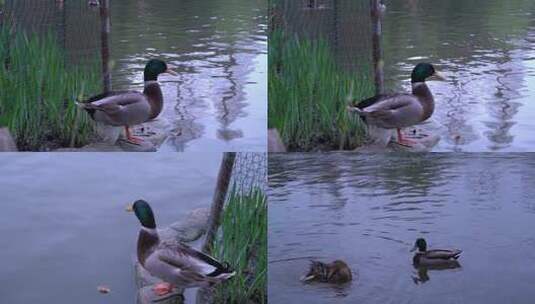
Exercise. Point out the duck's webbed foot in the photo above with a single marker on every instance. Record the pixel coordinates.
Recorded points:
(405, 141)
(162, 288)
(132, 139)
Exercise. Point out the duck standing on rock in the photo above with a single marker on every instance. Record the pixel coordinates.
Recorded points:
(128, 108)
(174, 262)
(396, 111)
(336, 272)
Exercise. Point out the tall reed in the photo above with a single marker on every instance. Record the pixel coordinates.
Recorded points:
(242, 242)
(38, 89)
(308, 95)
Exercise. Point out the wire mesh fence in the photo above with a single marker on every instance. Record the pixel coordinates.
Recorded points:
(249, 171)
(344, 24)
(75, 24)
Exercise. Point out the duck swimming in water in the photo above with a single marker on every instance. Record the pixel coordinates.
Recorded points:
(401, 110)
(336, 272)
(128, 108)
(434, 257)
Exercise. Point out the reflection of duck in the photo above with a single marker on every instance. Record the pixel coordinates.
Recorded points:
(127, 108)
(93, 2)
(175, 263)
(336, 272)
(439, 258)
(396, 111)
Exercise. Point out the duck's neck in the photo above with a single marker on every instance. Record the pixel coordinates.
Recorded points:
(146, 241)
(421, 90)
(154, 94)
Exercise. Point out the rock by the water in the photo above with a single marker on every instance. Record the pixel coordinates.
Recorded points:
(7, 144)
(275, 143)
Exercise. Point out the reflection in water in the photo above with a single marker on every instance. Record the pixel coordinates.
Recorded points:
(422, 272)
(369, 209)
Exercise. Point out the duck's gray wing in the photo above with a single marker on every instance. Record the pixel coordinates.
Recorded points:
(119, 108)
(396, 111)
(443, 254)
(186, 258)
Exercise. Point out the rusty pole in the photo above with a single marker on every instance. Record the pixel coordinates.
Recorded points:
(105, 26)
(377, 8)
(218, 202)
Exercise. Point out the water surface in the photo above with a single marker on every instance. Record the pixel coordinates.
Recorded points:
(219, 48)
(369, 209)
(64, 226)
(486, 48)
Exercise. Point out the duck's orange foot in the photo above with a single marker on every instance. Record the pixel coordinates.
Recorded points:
(135, 140)
(162, 288)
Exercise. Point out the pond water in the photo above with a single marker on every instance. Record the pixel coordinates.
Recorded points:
(486, 48)
(219, 48)
(65, 234)
(369, 209)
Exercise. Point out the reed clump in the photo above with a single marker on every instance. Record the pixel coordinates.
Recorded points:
(242, 242)
(308, 95)
(38, 90)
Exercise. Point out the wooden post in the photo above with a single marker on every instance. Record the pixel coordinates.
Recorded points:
(218, 202)
(105, 26)
(376, 8)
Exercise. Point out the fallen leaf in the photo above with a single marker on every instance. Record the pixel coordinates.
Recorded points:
(103, 289)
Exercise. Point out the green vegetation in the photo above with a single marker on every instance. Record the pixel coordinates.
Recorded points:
(38, 92)
(308, 95)
(243, 244)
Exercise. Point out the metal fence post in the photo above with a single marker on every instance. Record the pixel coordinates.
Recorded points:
(223, 181)
(376, 9)
(105, 26)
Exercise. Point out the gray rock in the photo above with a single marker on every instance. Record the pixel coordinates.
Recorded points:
(275, 143)
(7, 144)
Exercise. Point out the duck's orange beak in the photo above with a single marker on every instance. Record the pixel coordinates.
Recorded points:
(129, 208)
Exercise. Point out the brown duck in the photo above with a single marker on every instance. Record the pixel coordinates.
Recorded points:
(336, 272)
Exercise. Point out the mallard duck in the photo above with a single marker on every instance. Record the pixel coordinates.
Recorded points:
(441, 258)
(128, 108)
(336, 272)
(174, 262)
(396, 111)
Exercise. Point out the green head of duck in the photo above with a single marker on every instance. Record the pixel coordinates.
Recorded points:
(425, 71)
(144, 214)
(154, 68)
(420, 244)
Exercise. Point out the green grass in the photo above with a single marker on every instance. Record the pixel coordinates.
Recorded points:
(308, 95)
(38, 89)
(242, 242)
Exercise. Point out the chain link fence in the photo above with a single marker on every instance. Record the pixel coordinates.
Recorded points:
(75, 24)
(344, 24)
(249, 171)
